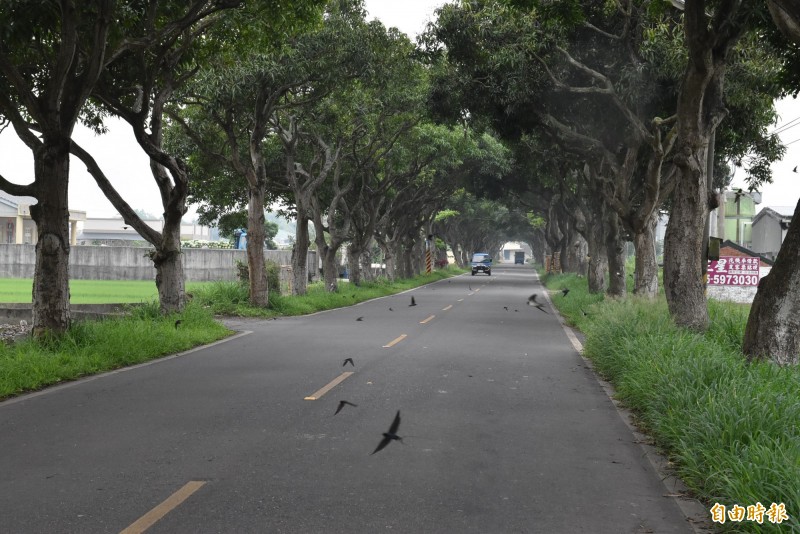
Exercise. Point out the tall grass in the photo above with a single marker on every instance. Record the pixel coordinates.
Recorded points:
(92, 347)
(731, 428)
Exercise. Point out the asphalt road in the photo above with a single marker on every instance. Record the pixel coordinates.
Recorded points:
(504, 430)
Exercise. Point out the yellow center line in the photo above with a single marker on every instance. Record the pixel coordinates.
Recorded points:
(447, 308)
(428, 319)
(329, 386)
(395, 341)
(172, 502)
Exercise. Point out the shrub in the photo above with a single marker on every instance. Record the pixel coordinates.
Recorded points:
(273, 275)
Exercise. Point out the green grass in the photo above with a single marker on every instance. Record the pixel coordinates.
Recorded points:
(20, 290)
(92, 347)
(231, 298)
(732, 429)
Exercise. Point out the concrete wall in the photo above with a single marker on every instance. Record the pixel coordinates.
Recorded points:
(740, 294)
(130, 263)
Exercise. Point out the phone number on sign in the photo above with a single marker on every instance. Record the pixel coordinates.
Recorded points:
(733, 279)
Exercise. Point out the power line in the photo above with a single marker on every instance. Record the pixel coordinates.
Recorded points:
(791, 142)
(786, 126)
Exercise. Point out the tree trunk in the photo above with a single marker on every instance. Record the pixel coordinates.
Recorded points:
(354, 253)
(457, 254)
(169, 268)
(773, 328)
(683, 243)
(389, 260)
(259, 290)
(615, 251)
(300, 256)
(596, 240)
(51, 313)
(330, 268)
(368, 274)
(646, 271)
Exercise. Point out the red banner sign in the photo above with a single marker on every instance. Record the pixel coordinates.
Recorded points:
(733, 271)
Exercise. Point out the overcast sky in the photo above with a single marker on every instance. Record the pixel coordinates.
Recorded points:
(128, 168)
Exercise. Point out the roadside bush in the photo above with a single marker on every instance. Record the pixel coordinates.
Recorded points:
(273, 275)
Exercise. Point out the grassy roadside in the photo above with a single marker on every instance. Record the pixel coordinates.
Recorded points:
(230, 298)
(731, 429)
(93, 347)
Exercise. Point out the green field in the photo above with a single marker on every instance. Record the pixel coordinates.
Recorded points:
(14, 290)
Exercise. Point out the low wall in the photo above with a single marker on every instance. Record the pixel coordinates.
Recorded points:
(740, 294)
(131, 263)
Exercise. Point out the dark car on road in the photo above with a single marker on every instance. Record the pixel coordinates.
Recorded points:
(481, 262)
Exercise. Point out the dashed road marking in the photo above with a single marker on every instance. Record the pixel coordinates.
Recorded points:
(395, 341)
(172, 502)
(329, 386)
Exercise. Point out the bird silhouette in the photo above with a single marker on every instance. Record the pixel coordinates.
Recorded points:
(348, 360)
(177, 323)
(359, 318)
(413, 302)
(532, 302)
(390, 435)
(342, 404)
(505, 308)
(565, 291)
(795, 169)
(390, 309)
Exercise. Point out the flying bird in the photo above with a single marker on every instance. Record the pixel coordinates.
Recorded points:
(348, 360)
(532, 302)
(505, 308)
(413, 302)
(795, 169)
(177, 323)
(390, 435)
(390, 308)
(565, 291)
(359, 318)
(341, 405)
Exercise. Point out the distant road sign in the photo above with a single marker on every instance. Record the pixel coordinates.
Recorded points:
(733, 271)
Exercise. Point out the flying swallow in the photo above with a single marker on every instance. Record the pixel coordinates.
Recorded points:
(390, 309)
(390, 435)
(360, 318)
(532, 302)
(348, 360)
(795, 169)
(505, 308)
(341, 405)
(413, 302)
(565, 291)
